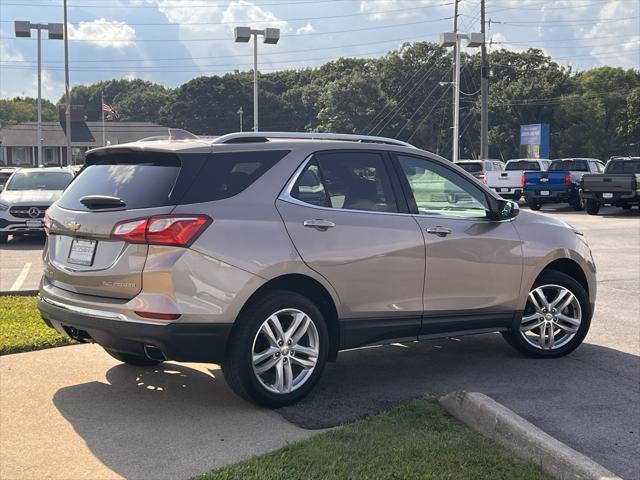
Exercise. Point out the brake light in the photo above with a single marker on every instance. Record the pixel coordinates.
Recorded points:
(46, 223)
(175, 230)
(482, 177)
(523, 180)
(567, 178)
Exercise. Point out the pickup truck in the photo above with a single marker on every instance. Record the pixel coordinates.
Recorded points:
(560, 184)
(619, 185)
(508, 183)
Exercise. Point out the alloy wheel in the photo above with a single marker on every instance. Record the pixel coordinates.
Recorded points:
(551, 318)
(285, 350)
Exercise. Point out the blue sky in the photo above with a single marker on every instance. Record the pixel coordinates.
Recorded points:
(173, 41)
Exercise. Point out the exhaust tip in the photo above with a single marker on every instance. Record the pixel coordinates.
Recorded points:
(154, 353)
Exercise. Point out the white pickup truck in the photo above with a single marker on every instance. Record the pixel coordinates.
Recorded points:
(508, 183)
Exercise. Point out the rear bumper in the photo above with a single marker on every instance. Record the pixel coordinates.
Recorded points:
(184, 342)
(616, 197)
(563, 195)
(508, 192)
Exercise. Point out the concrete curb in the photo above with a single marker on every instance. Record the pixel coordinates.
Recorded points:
(513, 432)
(18, 293)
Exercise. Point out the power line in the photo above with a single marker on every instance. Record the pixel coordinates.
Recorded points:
(226, 39)
(360, 14)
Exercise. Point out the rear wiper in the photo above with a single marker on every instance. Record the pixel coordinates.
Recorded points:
(101, 201)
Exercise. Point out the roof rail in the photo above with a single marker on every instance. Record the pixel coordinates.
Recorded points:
(257, 137)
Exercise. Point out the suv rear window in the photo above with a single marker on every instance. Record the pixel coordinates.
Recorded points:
(158, 179)
(623, 166)
(471, 167)
(523, 165)
(569, 166)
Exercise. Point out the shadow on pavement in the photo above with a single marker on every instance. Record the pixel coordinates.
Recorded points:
(171, 417)
(155, 422)
(24, 242)
(588, 399)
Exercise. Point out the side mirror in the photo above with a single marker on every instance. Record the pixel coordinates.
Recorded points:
(507, 209)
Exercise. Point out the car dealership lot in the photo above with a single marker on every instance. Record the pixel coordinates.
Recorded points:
(79, 414)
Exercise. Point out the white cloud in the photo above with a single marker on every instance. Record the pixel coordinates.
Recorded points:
(51, 89)
(625, 52)
(308, 28)
(384, 9)
(8, 54)
(241, 11)
(104, 33)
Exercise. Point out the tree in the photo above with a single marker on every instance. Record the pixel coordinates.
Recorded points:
(25, 109)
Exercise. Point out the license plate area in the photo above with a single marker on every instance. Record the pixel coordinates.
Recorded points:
(607, 195)
(503, 190)
(34, 223)
(544, 193)
(82, 251)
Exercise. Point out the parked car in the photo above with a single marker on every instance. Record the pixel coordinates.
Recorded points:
(5, 173)
(26, 196)
(619, 185)
(479, 168)
(508, 184)
(270, 252)
(559, 184)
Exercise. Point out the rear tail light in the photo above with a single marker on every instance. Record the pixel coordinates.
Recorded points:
(523, 180)
(482, 177)
(567, 178)
(175, 230)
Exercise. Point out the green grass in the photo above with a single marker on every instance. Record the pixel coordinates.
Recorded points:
(22, 329)
(414, 440)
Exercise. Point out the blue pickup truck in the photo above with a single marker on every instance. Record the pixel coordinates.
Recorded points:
(559, 184)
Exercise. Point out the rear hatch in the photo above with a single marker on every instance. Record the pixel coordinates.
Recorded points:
(116, 186)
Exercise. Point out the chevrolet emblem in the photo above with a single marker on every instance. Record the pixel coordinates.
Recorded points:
(74, 226)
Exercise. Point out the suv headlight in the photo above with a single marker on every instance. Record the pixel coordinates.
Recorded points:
(3, 207)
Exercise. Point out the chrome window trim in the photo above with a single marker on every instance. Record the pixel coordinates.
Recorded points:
(285, 196)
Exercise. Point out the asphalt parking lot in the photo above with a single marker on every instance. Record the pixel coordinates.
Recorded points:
(107, 416)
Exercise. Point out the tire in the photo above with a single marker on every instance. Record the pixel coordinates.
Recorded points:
(592, 206)
(534, 204)
(577, 204)
(248, 339)
(516, 198)
(4, 238)
(566, 343)
(130, 359)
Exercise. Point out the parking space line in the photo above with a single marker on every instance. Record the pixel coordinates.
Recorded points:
(22, 277)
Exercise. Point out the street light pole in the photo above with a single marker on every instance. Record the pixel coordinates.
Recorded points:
(243, 35)
(456, 102)
(39, 97)
(240, 112)
(67, 97)
(23, 30)
(484, 91)
(452, 39)
(255, 83)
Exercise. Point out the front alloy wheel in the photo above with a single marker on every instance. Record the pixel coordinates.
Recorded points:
(285, 351)
(556, 317)
(552, 317)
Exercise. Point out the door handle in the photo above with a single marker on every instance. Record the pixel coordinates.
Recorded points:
(440, 231)
(319, 224)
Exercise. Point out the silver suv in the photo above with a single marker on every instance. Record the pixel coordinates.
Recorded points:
(269, 252)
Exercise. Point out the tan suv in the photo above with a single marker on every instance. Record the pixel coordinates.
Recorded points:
(270, 252)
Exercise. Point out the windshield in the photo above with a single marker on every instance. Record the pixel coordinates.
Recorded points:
(569, 166)
(522, 165)
(623, 166)
(471, 167)
(38, 180)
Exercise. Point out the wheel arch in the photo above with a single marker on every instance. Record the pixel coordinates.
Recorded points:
(311, 289)
(569, 267)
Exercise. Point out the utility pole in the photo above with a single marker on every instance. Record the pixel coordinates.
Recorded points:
(484, 90)
(454, 77)
(67, 99)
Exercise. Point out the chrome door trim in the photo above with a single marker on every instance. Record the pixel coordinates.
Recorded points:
(285, 196)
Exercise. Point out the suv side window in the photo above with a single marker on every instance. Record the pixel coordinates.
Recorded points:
(439, 191)
(346, 180)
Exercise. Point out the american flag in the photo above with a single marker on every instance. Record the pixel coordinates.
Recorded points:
(110, 110)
